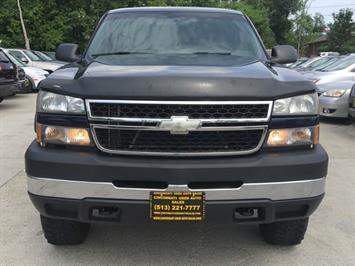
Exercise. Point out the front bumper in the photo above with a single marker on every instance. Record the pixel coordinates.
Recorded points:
(138, 211)
(67, 183)
(108, 190)
(334, 107)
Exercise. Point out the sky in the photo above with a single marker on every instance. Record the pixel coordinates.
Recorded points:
(327, 7)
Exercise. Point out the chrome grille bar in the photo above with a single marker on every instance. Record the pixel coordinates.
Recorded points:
(212, 120)
(206, 125)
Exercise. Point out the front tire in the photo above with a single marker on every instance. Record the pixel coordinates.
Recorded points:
(64, 232)
(285, 233)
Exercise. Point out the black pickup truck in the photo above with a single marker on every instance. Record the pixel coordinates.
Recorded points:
(8, 77)
(176, 115)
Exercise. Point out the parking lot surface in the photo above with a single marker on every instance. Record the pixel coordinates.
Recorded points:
(330, 239)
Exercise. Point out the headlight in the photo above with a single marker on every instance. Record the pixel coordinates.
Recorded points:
(293, 136)
(334, 93)
(53, 103)
(297, 105)
(62, 135)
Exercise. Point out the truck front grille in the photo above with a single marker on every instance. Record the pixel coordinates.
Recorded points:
(178, 128)
(195, 111)
(163, 141)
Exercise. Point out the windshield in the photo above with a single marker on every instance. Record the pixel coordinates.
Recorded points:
(326, 64)
(42, 56)
(319, 62)
(32, 56)
(303, 63)
(176, 33)
(341, 64)
(16, 61)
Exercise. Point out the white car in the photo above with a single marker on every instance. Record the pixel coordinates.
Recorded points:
(32, 60)
(33, 74)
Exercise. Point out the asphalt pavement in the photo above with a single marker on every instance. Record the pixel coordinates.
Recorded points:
(330, 239)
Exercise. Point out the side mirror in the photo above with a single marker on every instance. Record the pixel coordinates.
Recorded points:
(67, 52)
(24, 60)
(284, 54)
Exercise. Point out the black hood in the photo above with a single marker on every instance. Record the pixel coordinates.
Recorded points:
(254, 81)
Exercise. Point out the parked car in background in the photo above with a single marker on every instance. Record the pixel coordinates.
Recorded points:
(323, 65)
(43, 56)
(298, 62)
(50, 54)
(342, 70)
(46, 57)
(32, 74)
(31, 59)
(8, 76)
(352, 104)
(334, 101)
(306, 63)
(23, 83)
(314, 63)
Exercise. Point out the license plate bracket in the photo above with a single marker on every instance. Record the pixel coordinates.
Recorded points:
(177, 206)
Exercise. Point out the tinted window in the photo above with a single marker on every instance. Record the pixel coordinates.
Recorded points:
(177, 33)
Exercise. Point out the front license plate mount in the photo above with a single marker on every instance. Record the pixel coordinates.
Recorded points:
(177, 206)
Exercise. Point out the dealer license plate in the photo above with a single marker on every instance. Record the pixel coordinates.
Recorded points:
(177, 206)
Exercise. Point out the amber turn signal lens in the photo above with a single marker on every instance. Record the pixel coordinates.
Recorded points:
(62, 135)
(39, 130)
(316, 135)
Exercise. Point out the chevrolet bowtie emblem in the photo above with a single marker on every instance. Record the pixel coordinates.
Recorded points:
(180, 125)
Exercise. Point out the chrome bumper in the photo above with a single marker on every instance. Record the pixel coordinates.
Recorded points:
(104, 190)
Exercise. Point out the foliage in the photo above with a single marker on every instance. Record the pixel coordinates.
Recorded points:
(304, 28)
(319, 23)
(340, 35)
(279, 12)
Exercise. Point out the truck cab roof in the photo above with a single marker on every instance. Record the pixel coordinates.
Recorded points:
(175, 9)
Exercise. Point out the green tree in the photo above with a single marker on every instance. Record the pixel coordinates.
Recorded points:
(340, 35)
(279, 12)
(318, 23)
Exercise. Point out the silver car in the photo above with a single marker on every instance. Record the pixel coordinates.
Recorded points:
(31, 59)
(317, 62)
(341, 70)
(334, 84)
(334, 101)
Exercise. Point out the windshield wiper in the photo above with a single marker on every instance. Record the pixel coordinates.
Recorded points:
(218, 53)
(118, 53)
